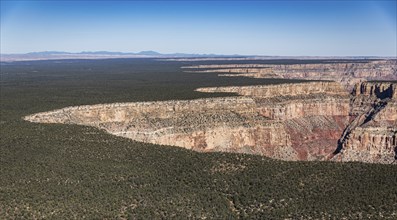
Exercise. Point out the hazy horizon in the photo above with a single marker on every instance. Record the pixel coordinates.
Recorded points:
(287, 28)
(102, 52)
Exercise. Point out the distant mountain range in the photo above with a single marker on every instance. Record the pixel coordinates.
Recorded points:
(146, 53)
(52, 55)
(57, 55)
(142, 53)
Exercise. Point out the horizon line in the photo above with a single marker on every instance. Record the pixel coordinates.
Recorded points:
(154, 53)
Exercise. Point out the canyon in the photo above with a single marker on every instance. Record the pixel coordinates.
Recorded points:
(346, 73)
(315, 120)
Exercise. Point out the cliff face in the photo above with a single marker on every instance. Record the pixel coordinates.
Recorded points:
(377, 90)
(296, 100)
(371, 144)
(348, 74)
(261, 122)
(304, 121)
(282, 90)
(371, 137)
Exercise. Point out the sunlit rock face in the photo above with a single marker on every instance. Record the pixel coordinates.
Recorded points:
(348, 74)
(372, 135)
(300, 121)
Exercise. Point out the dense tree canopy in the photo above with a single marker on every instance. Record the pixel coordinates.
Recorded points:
(69, 171)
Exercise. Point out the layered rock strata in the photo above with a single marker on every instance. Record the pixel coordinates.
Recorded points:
(372, 134)
(300, 121)
(217, 124)
(347, 74)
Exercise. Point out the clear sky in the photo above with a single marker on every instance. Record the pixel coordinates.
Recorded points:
(315, 28)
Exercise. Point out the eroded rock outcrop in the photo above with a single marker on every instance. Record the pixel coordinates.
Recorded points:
(371, 136)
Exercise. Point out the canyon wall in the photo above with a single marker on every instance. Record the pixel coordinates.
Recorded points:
(293, 121)
(377, 90)
(228, 124)
(348, 74)
(371, 136)
(284, 90)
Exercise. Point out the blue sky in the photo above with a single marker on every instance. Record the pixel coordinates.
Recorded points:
(315, 28)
